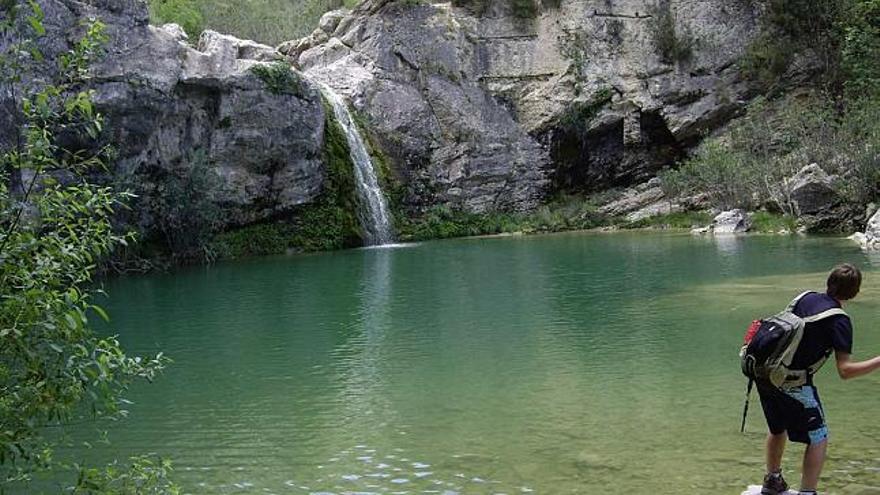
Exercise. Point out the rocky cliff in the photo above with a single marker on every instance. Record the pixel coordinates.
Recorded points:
(480, 109)
(171, 107)
(493, 110)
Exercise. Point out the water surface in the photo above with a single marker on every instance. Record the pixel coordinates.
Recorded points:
(557, 364)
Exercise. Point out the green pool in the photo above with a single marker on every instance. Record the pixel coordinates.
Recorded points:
(575, 363)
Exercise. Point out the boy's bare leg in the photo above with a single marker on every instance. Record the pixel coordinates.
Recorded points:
(814, 459)
(775, 449)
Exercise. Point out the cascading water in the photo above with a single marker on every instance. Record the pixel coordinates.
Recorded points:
(373, 213)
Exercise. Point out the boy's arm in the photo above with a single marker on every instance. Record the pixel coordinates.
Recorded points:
(847, 368)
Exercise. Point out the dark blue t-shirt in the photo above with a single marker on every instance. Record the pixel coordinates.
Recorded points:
(820, 338)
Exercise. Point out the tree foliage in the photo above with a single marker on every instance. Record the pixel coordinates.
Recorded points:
(55, 227)
(754, 163)
(186, 13)
(861, 49)
(673, 41)
(266, 21)
(837, 126)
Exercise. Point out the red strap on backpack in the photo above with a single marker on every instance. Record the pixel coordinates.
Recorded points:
(750, 333)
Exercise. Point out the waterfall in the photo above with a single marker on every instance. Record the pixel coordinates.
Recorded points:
(373, 213)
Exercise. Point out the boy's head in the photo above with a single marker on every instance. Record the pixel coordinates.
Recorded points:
(844, 282)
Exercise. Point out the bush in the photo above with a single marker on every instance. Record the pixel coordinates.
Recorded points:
(266, 21)
(677, 220)
(185, 212)
(524, 9)
(186, 13)
(672, 43)
(772, 223)
(279, 78)
(254, 240)
(861, 49)
(751, 165)
(577, 117)
(792, 27)
(562, 214)
(53, 367)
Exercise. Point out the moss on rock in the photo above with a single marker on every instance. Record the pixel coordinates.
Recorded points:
(279, 78)
(329, 222)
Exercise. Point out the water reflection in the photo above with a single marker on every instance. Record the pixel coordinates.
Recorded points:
(728, 244)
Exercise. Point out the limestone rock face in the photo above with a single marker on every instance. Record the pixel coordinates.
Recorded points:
(409, 70)
(640, 202)
(495, 110)
(170, 108)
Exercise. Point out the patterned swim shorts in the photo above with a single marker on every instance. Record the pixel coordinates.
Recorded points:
(796, 410)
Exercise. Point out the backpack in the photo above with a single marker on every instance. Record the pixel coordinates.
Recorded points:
(770, 345)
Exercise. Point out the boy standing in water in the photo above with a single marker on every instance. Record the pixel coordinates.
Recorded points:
(796, 412)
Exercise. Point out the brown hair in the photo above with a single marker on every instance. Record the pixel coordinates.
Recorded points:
(844, 282)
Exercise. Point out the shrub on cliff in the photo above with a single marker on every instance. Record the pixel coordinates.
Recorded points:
(672, 41)
(266, 21)
(803, 28)
(54, 227)
(752, 164)
(186, 13)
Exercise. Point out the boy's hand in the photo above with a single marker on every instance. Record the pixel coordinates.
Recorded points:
(847, 368)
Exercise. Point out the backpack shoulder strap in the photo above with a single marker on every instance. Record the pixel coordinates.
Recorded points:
(793, 303)
(825, 314)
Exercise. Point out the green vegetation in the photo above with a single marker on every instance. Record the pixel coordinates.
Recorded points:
(562, 214)
(280, 79)
(860, 51)
(772, 223)
(827, 32)
(254, 240)
(266, 21)
(578, 116)
(186, 13)
(671, 42)
(677, 220)
(185, 213)
(329, 223)
(836, 124)
(524, 9)
(54, 369)
(753, 163)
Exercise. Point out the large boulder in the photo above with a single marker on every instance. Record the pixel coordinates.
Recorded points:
(812, 191)
(731, 222)
(817, 202)
(173, 111)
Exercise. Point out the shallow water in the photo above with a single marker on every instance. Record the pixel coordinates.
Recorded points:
(556, 364)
